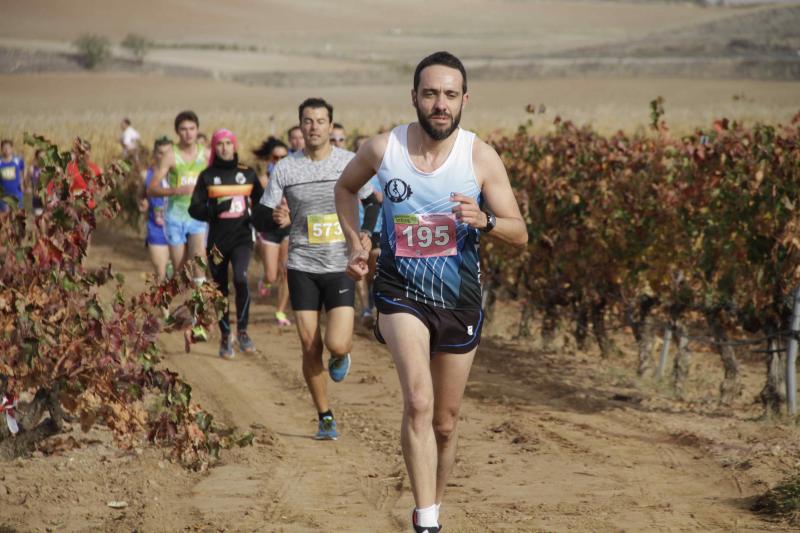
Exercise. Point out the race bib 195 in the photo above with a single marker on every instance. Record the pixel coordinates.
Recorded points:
(324, 229)
(430, 235)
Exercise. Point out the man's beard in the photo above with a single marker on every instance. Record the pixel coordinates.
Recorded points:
(433, 133)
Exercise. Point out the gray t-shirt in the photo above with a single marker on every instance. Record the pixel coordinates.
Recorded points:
(316, 242)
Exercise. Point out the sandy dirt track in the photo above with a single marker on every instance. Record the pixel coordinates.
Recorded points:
(550, 442)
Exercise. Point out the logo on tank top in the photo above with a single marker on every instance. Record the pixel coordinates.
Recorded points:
(240, 179)
(397, 190)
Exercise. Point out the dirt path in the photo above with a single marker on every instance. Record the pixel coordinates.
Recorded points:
(537, 452)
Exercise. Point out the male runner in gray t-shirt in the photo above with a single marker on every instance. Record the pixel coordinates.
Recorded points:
(317, 251)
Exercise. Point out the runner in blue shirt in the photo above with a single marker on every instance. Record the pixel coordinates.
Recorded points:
(12, 168)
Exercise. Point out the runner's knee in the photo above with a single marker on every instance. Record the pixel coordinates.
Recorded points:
(419, 406)
(339, 346)
(444, 426)
(312, 350)
(240, 280)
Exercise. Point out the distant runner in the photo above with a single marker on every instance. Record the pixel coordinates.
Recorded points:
(427, 287)
(156, 239)
(12, 170)
(181, 166)
(274, 244)
(224, 197)
(317, 254)
(34, 183)
(296, 140)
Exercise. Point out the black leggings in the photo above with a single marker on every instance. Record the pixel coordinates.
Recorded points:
(239, 257)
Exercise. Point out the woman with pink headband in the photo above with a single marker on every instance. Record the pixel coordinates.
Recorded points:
(224, 197)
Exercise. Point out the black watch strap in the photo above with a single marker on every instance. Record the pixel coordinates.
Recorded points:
(490, 223)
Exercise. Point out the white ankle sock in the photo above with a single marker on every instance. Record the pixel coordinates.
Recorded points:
(199, 281)
(427, 517)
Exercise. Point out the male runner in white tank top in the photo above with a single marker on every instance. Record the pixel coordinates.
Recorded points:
(427, 289)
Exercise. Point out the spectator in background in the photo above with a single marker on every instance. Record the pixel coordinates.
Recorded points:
(202, 139)
(296, 140)
(12, 169)
(129, 140)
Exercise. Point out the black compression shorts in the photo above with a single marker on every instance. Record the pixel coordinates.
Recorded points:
(275, 236)
(451, 330)
(309, 291)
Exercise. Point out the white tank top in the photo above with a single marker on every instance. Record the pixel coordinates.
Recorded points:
(426, 255)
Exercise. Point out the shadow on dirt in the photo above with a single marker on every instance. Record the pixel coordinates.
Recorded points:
(512, 375)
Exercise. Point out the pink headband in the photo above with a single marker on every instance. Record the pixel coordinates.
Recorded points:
(216, 138)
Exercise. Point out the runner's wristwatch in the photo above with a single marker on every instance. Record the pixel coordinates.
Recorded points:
(490, 223)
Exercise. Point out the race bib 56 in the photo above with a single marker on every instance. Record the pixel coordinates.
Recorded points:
(187, 179)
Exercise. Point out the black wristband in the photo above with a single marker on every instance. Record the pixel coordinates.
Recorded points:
(491, 221)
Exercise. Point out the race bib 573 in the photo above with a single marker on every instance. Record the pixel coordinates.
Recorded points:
(324, 229)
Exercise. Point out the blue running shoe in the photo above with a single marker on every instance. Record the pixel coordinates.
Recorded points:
(327, 429)
(338, 367)
(226, 347)
(245, 342)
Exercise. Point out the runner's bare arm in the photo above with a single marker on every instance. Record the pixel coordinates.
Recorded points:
(499, 197)
(144, 203)
(155, 189)
(263, 215)
(357, 173)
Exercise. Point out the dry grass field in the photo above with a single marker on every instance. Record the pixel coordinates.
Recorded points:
(91, 104)
(246, 64)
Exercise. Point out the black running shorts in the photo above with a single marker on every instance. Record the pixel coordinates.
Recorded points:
(274, 236)
(308, 291)
(451, 330)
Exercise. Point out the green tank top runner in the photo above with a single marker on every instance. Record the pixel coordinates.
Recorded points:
(184, 173)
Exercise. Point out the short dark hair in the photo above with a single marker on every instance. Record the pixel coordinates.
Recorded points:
(126, 121)
(290, 130)
(6, 142)
(161, 141)
(441, 58)
(264, 151)
(315, 103)
(183, 116)
(338, 126)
